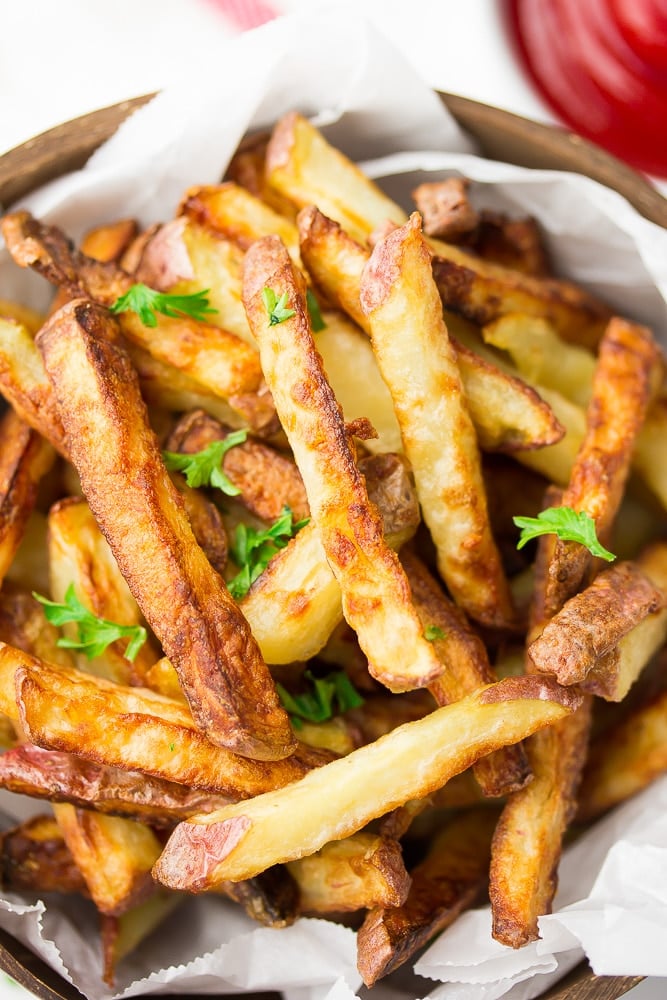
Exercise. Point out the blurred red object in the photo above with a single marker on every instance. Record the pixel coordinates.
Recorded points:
(244, 14)
(602, 66)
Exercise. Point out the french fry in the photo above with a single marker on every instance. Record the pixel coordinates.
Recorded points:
(513, 243)
(444, 884)
(593, 622)
(195, 619)
(206, 522)
(445, 208)
(372, 583)
(468, 668)
(271, 898)
(123, 934)
(627, 366)
(508, 415)
(410, 341)
(25, 458)
(64, 777)
(214, 358)
(29, 318)
(267, 481)
(79, 555)
(295, 604)
(114, 855)
(341, 797)
(301, 165)
(34, 857)
(131, 728)
(355, 873)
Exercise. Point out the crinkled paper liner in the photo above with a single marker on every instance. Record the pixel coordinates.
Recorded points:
(612, 904)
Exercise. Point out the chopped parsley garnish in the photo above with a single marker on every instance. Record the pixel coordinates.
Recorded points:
(433, 632)
(567, 525)
(252, 550)
(95, 634)
(146, 302)
(329, 696)
(316, 321)
(204, 468)
(276, 308)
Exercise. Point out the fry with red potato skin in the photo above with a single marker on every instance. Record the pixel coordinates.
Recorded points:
(468, 668)
(132, 728)
(445, 208)
(593, 622)
(302, 166)
(355, 873)
(25, 459)
(65, 777)
(340, 798)
(507, 413)
(376, 596)
(34, 857)
(419, 365)
(444, 884)
(183, 599)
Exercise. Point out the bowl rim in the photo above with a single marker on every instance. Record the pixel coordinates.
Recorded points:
(502, 135)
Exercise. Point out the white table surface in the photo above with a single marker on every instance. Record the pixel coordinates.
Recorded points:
(86, 54)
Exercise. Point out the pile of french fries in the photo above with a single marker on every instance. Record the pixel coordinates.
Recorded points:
(381, 395)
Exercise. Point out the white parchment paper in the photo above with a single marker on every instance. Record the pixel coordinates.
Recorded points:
(612, 904)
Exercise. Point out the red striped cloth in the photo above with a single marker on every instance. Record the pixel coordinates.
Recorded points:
(244, 14)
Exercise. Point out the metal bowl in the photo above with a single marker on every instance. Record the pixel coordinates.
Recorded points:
(501, 136)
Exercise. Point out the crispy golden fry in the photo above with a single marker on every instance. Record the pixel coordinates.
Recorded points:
(528, 839)
(162, 677)
(110, 241)
(267, 480)
(513, 243)
(628, 363)
(80, 555)
(65, 777)
(25, 458)
(445, 208)
(183, 599)
(24, 384)
(508, 415)
(593, 622)
(341, 797)
(374, 589)
(419, 366)
(301, 165)
(468, 668)
(131, 728)
(246, 168)
(114, 855)
(295, 604)
(444, 884)
(356, 873)
(214, 358)
(34, 857)
(532, 343)
(234, 213)
(26, 317)
(206, 522)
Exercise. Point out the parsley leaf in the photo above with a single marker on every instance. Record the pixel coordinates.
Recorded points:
(330, 695)
(567, 524)
(145, 302)
(204, 468)
(316, 321)
(433, 632)
(252, 550)
(276, 308)
(95, 634)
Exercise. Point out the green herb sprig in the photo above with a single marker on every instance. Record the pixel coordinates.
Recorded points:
(276, 307)
(95, 634)
(316, 322)
(146, 302)
(204, 468)
(434, 632)
(252, 550)
(329, 696)
(567, 524)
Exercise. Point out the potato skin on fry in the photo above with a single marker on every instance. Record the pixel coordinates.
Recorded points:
(341, 797)
(183, 599)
